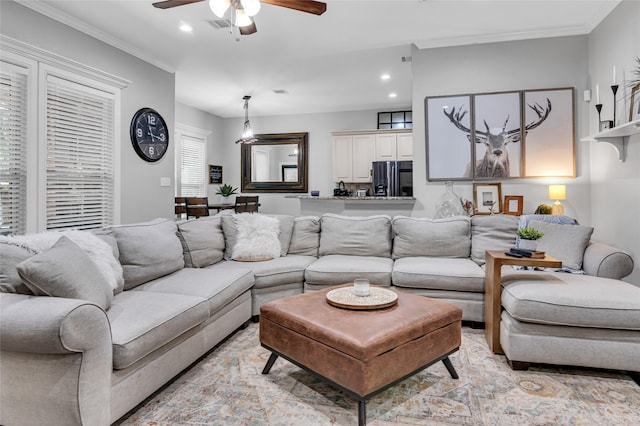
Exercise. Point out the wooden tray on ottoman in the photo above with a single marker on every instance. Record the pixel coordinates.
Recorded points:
(361, 352)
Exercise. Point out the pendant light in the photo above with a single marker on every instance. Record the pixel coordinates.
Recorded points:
(247, 131)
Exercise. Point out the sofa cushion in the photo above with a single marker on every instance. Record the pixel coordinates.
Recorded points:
(148, 250)
(573, 300)
(109, 237)
(230, 231)
(143, 321)
(219, 286)
(339, 269)
(564, 242)
(256, 237)
(275, 272)
(450, 237)
(11, 254)
(438, 273)
(492, 232)
(202, 241)
(65, 270)
(305, 238)
(355, 236)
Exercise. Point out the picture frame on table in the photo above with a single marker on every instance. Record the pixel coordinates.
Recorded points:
(487, 198)
(513, 204)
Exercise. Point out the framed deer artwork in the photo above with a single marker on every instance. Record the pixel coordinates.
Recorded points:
(501, 135)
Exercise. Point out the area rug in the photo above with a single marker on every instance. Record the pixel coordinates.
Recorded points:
(227, 388)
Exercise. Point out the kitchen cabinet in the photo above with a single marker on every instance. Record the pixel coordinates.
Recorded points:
(394, 146)
(352, 157)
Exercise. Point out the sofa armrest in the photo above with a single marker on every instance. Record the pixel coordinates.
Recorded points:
(56, 361)
(606, 261)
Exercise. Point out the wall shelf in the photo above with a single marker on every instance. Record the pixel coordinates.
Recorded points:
(618, 137)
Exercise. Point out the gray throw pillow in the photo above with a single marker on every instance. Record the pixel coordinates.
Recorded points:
(305, 239)
(202, 241)
(492, 232)
(354, 235)
(11, 254)
(65, 270)
(564, 242)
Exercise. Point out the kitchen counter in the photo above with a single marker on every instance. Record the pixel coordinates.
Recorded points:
(404, 200)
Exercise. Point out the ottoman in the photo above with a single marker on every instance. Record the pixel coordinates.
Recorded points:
(361, 352)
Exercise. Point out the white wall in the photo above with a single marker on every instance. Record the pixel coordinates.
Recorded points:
(496, 67)
(615, 185)
(142, 197)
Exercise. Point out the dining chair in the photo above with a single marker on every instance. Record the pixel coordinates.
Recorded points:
(247, 204)
(197, 206)
(180, 208)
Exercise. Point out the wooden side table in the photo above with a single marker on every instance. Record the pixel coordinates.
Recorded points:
(495, 259)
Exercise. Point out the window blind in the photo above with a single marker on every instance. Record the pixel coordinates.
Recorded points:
(80, 160)
(192, 167)
(13, 148)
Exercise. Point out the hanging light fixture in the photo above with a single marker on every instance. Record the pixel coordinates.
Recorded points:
(247, 131)
(220, 7)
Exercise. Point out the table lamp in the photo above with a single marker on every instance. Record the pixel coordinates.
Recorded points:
(557, 192)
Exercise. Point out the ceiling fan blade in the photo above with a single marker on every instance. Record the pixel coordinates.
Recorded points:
(309, 6)
(173, 3)
(249, 29)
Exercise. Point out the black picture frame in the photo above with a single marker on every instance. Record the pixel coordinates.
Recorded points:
(215, 174)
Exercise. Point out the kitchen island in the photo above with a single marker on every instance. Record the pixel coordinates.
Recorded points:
(354, 206)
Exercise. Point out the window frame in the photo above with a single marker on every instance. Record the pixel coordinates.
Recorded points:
(183, 130)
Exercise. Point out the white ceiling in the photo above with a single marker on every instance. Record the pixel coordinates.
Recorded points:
(331, 62)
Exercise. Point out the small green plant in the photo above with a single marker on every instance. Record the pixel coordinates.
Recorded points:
(529, 233)
(226, 190)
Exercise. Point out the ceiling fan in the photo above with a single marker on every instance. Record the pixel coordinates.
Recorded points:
(243, 10)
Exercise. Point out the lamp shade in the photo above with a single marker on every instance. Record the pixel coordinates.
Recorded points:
(557, 192)
(251, 7)
(242, 19)
(219, 7)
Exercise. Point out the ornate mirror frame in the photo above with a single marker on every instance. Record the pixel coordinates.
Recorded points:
(246, 166)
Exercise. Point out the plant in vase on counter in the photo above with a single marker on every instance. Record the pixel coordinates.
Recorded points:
(528, 236)
(225, 191)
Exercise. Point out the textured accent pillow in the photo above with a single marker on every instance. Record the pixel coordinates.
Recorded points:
(564, 242)
(65, 270)
(257, 237)
(355, 236)
(202, 241)
(492, 232)
(148, 250)
(230, 230)
(449, 237)
(305, 238)
(11, 254)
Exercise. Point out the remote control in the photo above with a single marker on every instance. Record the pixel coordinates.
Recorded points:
(508, 253)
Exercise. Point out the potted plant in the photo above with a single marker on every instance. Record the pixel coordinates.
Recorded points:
(225, 191)
(528, 236)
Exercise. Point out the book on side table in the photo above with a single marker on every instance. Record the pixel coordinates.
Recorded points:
(518, 252)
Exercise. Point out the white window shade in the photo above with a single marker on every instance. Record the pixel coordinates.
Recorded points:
(79, 183)
(13, 148)
(192, 167)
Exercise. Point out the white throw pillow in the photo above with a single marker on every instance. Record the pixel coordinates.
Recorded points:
(257, 237)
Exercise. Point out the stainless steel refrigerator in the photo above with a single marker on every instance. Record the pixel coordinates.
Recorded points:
(393, 178)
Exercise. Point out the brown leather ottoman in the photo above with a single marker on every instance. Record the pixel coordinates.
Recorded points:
(361, 352)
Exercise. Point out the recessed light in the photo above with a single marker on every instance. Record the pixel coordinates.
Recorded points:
(385, 77)
(393, 95)
(186, 28)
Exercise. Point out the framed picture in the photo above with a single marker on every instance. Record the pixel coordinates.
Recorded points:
(497, 135)
(549, 141)
(289, 173)
(513, 204)
(487, 198)
(634, 105)
(448, 137)
(215, 174)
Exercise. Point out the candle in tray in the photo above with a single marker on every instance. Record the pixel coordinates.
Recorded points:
(361, 287)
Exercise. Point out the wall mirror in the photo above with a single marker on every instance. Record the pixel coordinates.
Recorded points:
(275, 163)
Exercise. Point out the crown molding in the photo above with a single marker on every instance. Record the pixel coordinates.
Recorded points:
(66, 19)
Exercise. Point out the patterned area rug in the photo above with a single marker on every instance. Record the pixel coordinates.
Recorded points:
(227, 388)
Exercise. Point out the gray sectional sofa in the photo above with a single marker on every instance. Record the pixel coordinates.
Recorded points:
(90, 355)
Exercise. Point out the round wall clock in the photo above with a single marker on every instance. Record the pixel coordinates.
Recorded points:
(149, 134)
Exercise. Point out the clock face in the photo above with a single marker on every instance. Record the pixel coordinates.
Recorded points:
(149, 134)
